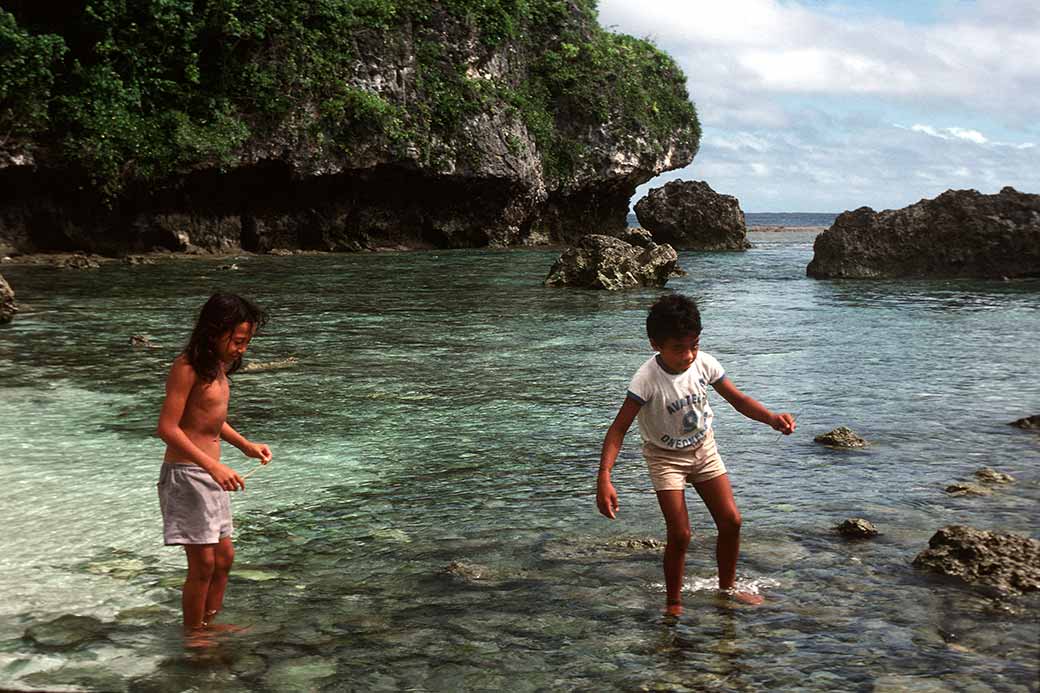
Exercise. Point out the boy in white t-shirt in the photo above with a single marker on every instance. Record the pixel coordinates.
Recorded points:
(669, 396)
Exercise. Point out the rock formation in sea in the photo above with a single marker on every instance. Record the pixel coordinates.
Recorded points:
(1008, 562)
(857, 528)
(689, 215)
(7, 306)
(605, 262)
(841, 437)
(329, 126)
(961, 233)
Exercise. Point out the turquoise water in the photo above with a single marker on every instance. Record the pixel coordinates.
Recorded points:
(446, 409)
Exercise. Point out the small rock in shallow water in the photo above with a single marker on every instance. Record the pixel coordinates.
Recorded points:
(470, 572)
(142, 340)
(857, 528)
(300, 674)
(1029, 422)
(965, 489)
(841, 437)
(67, 632)
(992, 476)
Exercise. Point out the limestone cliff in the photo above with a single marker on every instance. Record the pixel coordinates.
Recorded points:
(330, 126)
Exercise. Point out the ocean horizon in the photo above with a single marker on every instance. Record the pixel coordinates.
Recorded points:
(791, 219)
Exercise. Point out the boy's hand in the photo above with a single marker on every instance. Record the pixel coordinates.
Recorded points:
(606, 498)
(227, 478)
(783, 423)
(261, 452)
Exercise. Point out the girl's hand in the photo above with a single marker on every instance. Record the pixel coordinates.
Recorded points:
(783, 423)
(227, 478)
(260, 451)
(606, 498)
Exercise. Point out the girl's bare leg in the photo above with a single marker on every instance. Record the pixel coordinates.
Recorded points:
(717, 495)
(223, 557)
(201, 563)
(677, 520)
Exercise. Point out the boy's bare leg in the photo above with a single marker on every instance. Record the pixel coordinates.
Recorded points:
(677, 520)
(717, 495)
(223, 557)
(201, 563)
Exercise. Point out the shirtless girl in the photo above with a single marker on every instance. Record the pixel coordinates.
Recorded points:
(194, 483)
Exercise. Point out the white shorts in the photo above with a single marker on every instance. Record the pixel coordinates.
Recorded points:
(671, 470)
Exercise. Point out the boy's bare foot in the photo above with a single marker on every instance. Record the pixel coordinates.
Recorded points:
(198, 638)
(742, 597)
(673, 609)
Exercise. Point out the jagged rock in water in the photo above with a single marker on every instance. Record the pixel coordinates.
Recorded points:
(992, 476)
(961, 488)
(1009, 562)
(67, 632)
(1029, 422)
(689, 215)
(142, 341)
(961, 233)
(857, 528)
(7, 306)
(604, 262)
(636, 236)
(841, 437)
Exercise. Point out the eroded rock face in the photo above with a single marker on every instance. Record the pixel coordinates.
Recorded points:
(961, 233)
(1008, 562)
(605, 262)
(7, 307)
(689, 215)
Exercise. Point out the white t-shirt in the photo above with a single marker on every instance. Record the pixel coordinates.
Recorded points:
(675, 412)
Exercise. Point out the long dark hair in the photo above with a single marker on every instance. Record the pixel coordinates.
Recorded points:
(221, 314)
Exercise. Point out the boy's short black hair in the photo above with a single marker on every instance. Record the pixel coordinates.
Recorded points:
(673, 316)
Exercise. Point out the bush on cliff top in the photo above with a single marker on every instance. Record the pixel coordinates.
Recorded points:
(127, 90)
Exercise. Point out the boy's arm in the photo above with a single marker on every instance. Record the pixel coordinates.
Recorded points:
(606, 496)
(752, 408)
(178, 386)
(259, 451)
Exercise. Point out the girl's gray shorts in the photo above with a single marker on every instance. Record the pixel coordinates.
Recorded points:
(195, 509)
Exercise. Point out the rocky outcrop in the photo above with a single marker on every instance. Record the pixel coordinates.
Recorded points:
(961, 233)
(991, 476)
(964, 488)
(857, 528)
(691, 216)
(7, 307)
(605, 262)
(442, 127)
(1008, 562)
(1028, 422)
(841, 437)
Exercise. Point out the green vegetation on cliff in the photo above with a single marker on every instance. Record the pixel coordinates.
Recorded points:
(140, 90)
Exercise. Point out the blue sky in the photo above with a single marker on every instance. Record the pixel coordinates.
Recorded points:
(823, 106)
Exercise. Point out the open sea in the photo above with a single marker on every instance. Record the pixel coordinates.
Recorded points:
(428, 522)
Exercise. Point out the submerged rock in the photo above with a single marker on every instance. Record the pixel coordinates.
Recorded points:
(841, 437)
(1029, 422)
(604, 262)
(961, 233)
(962, 488)
(142, 341)
(1009, 562)
(691, 216)
(857, 528)
(7, 306)
(256, 366)
(300, 674)
(469, 572)
(67, 632)
(992, 476)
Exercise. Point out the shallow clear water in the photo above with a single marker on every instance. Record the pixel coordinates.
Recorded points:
(447, 408)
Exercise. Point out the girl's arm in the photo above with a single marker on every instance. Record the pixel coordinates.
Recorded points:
(606, 496)
(753, 409)
(259, 451)
(178, 386)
